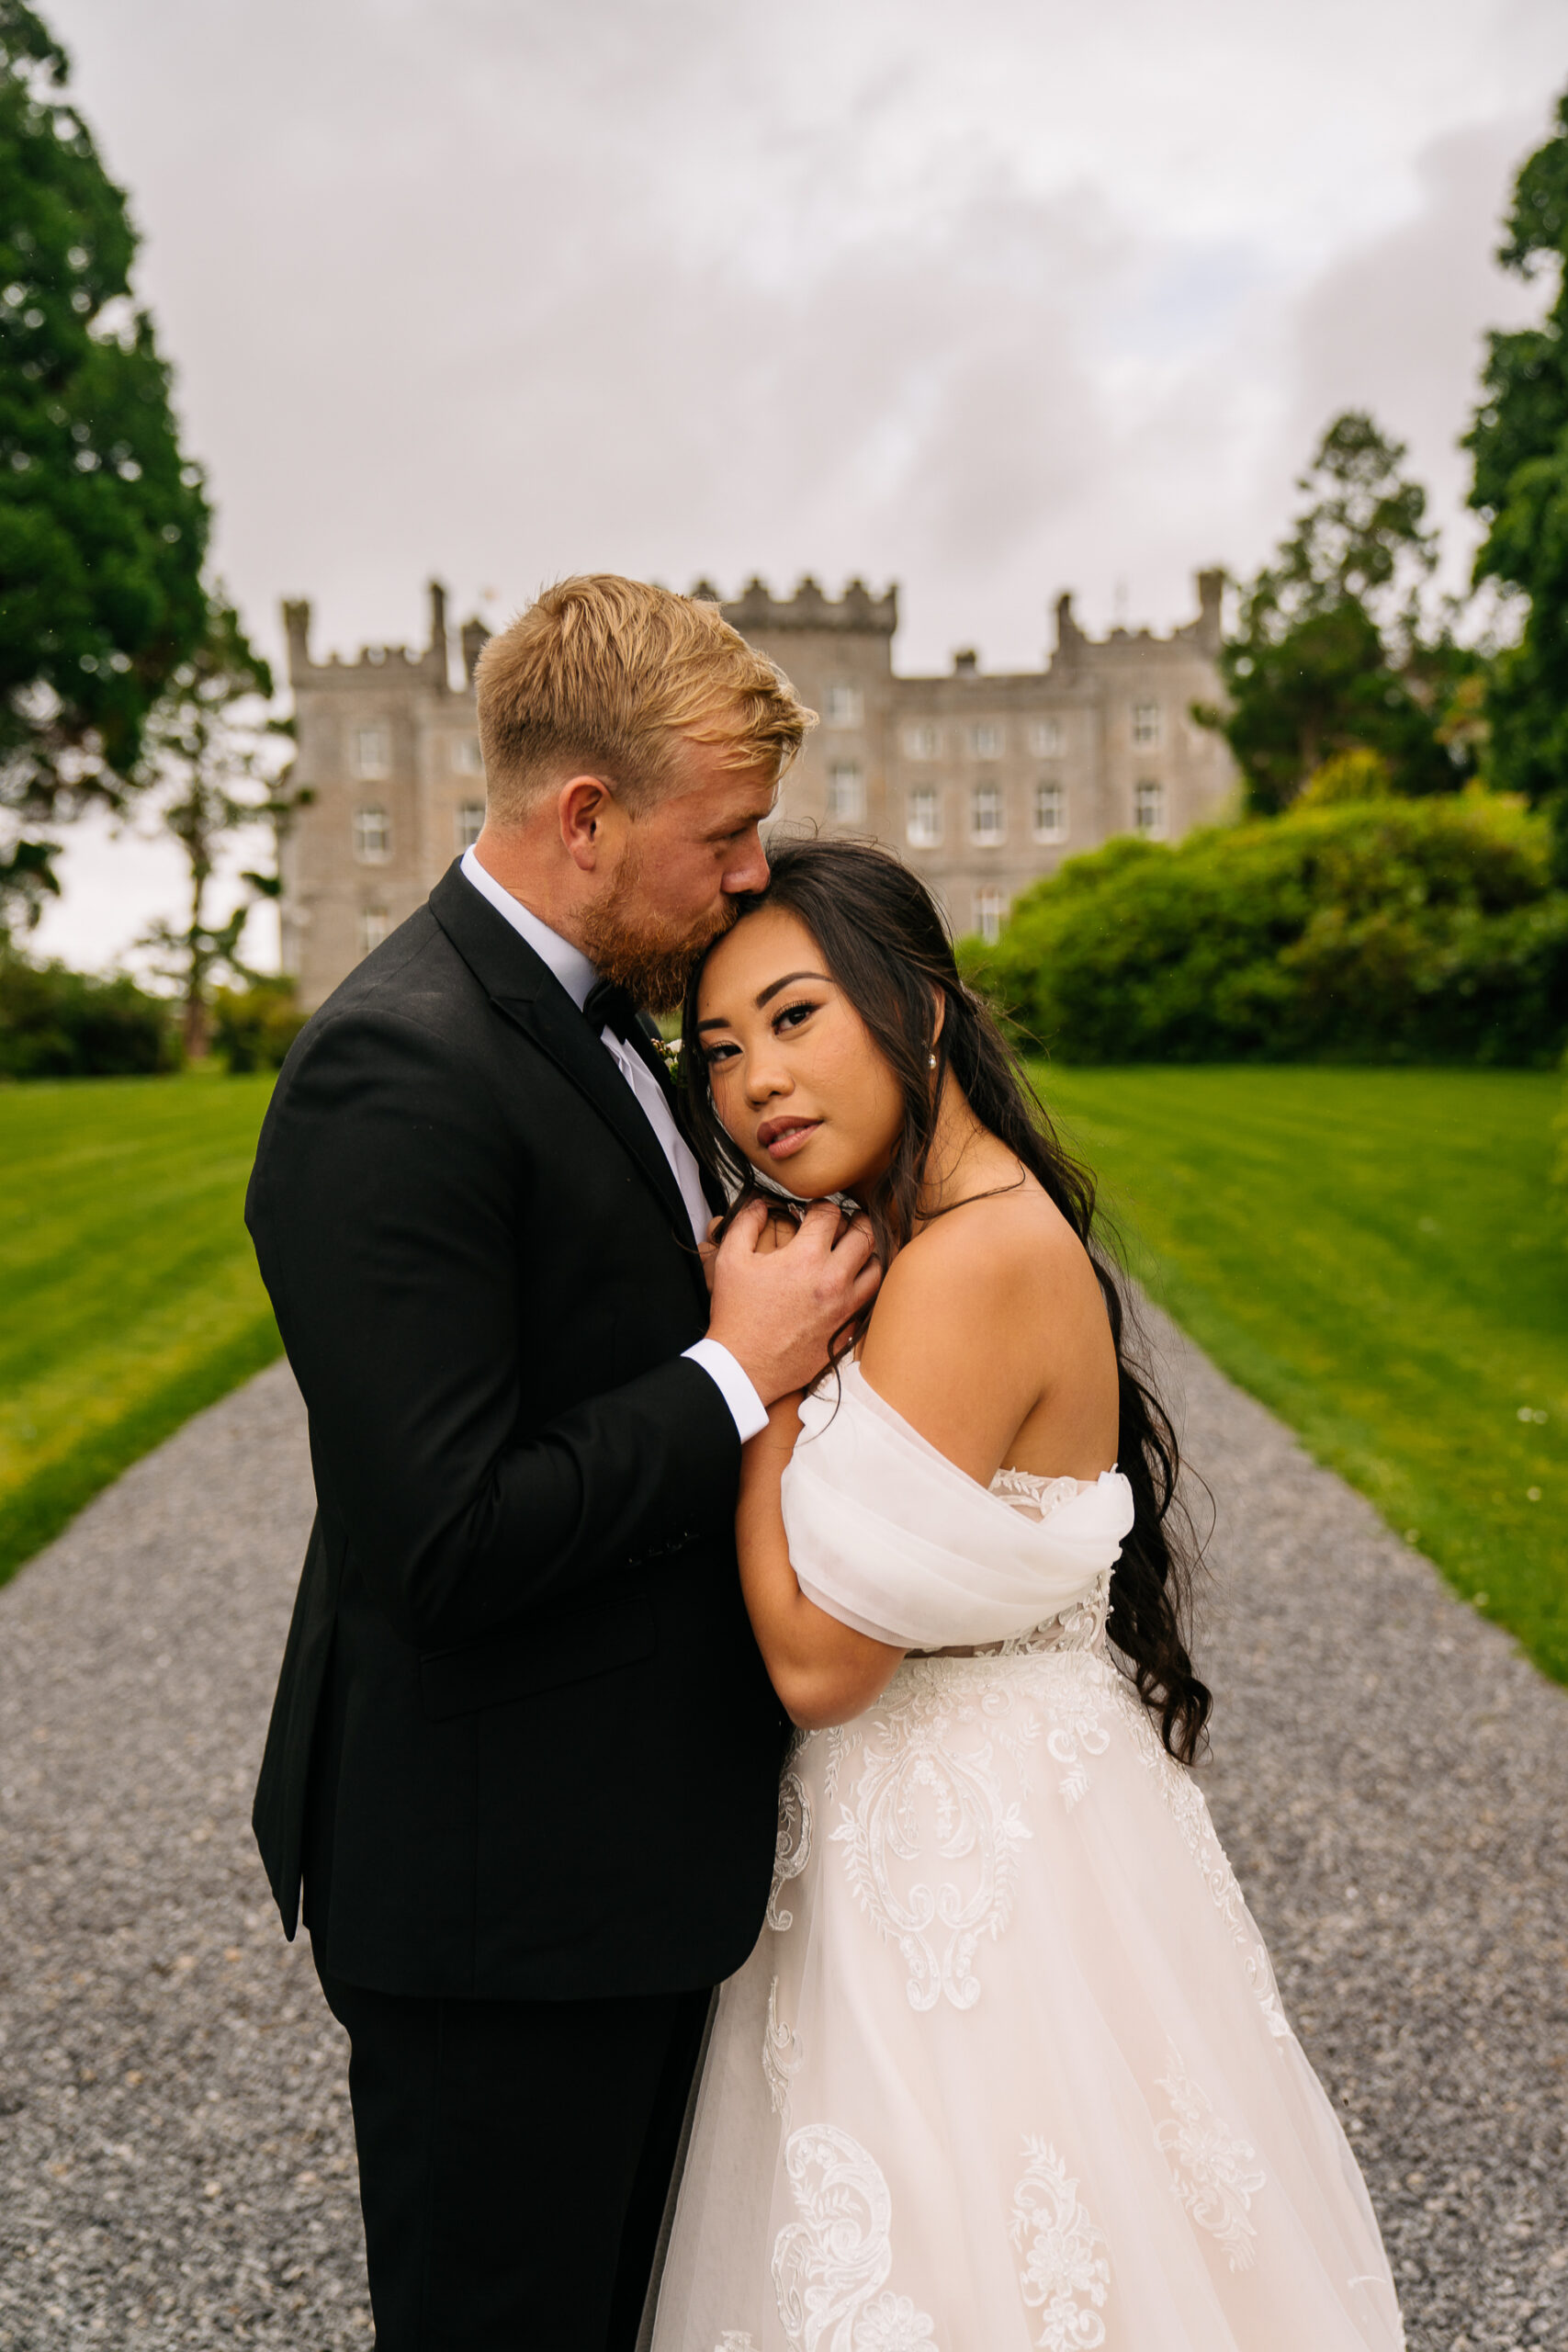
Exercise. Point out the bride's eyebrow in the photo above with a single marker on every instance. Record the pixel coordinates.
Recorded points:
(716, 1020)
(773, 987)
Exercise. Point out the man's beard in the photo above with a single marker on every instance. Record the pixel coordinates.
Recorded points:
(651, 959)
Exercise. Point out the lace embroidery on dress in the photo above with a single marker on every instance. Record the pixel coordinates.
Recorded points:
(1065, 2277)
(792, 1846)
(1214, 2172)
(905, 1755)
(1073, 1702)
(829, 2262)
(782, 2055)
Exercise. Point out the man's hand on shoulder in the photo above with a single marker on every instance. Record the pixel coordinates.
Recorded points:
(779, 1299)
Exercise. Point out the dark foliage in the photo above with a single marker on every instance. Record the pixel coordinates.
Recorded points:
(1376, 931)
(252, 1028)
(59, 1023)
(103, 523)
(1330, 652)
(1519, 443)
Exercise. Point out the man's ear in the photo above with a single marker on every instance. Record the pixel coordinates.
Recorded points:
(583, 806)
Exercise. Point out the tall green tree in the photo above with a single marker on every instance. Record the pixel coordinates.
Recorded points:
(217, 764)
(1519, 443)
(1331, 651)
(103, 523)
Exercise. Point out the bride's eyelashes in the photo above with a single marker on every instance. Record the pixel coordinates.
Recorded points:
(789, 1016)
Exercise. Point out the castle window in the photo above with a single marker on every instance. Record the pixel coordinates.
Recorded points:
(372, 751)
(1148, 810)
(990, 914)
(372, 836)
(465, 755)
(1045, 739)
(846, 793)
(986, 741)
(1145, 724)
(987, 816)
(923, 827)
(470, 823)
(1050, 811)
(843, 707)
(375, 924)
(922, 743)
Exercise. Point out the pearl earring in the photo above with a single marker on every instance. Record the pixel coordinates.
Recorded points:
(932, 1060)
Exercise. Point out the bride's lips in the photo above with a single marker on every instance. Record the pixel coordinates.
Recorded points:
(780, 1137)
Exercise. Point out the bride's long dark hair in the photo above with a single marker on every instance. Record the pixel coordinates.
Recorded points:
(884, 942)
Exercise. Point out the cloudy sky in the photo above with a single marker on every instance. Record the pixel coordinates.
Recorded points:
(992, 299)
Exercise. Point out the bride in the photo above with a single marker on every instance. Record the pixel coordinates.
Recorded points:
(1009, 2067)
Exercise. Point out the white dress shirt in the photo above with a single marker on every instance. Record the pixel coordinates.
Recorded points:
(577, 975)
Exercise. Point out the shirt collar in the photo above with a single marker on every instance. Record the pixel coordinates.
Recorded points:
(569, 965)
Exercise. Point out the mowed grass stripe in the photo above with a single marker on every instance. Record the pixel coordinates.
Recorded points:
(1375, 1255)
(1371, 1253)
(132, 1292)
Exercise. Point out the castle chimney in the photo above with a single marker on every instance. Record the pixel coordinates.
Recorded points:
(476, 637)
(1069, 636)
(438, 629)
(296, 630)
(965, 663)
(1210, 608)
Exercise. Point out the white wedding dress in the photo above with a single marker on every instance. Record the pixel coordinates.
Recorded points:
(1009, 2067)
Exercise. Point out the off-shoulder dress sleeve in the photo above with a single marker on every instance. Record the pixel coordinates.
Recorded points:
(891, 1538)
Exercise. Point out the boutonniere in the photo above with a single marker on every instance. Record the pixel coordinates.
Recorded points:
(668, 1052)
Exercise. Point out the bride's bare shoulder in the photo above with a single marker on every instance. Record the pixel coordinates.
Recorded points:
(975, 1320)
(981, 1269)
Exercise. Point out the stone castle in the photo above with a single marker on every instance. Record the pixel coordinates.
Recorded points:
(982, 781)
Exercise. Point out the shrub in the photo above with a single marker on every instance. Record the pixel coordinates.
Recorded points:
(1375, 931)
(252, 1028)
(1347, 776)
(59, 1023)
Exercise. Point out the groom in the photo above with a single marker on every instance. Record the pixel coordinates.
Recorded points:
(523, 1757)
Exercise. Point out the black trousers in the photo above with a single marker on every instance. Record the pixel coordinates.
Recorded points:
(514, 2158)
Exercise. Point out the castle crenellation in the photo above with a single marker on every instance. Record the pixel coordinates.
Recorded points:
(982, 780)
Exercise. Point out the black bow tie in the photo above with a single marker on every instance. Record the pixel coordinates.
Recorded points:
(607, 1006)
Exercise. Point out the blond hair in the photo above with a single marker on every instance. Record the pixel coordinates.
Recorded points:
(610, 676)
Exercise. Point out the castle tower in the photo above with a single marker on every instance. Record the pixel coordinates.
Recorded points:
(387, 751)
(839, 656)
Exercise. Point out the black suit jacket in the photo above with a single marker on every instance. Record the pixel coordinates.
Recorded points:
(523, 1744)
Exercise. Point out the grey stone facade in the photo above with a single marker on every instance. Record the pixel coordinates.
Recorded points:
(982, 781)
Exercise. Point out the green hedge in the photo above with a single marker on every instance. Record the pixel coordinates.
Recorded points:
(59, 1023)
(1375, 931)
(252, 1028)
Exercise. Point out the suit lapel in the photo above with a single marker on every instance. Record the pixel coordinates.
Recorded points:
(523, 987)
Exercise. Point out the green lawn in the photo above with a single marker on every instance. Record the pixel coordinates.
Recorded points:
(131, 1296)
(1372, 1252)
(1375, 1254)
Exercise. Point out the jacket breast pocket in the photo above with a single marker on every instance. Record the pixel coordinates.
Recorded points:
(576, 1648)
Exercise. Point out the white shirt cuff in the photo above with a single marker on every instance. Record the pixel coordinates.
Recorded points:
(747, 1410)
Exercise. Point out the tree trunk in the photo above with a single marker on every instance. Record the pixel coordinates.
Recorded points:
(195, 1028)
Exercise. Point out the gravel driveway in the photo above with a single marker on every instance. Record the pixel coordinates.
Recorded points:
(176, 2162)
